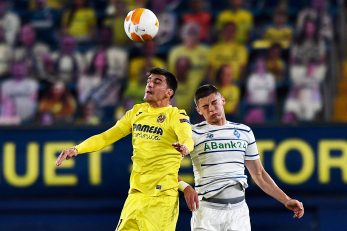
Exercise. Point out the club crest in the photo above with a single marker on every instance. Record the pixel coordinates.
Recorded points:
(237, 134)
(161, 118)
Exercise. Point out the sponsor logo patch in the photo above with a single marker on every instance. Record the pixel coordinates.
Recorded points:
(184, 121)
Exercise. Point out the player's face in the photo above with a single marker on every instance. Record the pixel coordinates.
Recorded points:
(212, 108)
(157, 90)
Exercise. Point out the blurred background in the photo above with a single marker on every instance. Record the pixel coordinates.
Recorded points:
(68, 71)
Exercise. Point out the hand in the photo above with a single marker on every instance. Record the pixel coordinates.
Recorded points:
(191, 197)
(181, 148)
(65, 155)
(296, 206)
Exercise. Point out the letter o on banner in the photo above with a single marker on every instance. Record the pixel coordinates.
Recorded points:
(279, 161)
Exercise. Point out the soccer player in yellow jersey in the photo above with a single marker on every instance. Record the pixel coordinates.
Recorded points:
(161, 135)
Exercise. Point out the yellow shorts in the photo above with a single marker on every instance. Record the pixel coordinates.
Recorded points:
(148, 213)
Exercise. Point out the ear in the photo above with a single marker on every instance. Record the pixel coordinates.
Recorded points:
(198, 110)
(223, 100)
(170, 92)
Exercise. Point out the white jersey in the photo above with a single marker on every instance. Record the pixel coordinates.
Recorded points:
(219, 156)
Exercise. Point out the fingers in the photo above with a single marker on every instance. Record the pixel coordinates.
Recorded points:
(196, 201)
(177, 146)
(191, 197)
(193, 205)
(181, 148)
(61, 158)
(190, 204)
(193, 201)
(298, 209)
(301, 214)
(66, 155)
(298, 214)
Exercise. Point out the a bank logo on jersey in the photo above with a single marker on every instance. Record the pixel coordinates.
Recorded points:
(237, 134)
(161, 118)
(209, 136)
(228, 145)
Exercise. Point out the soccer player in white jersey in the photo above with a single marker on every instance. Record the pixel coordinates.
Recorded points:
(222, 149)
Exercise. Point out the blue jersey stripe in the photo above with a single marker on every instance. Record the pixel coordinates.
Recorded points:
(213, 190)
(222, 129)
(208, 191)
(252, 155)
(206, 177)
(225, 178)
(227, 150)
(230, 162)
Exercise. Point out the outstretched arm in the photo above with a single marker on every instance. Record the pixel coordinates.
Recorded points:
(266, 183)
(94, 143)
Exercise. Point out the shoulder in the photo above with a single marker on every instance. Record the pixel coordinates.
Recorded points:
(178, 116)
(240, 126)
(178, 112)
(200, 127)
(139, 107)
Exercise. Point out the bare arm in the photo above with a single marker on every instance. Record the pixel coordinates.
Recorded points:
(190, 195)
(266, 183)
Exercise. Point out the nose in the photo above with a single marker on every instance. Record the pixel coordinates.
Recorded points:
(210, 107)
(150, 84)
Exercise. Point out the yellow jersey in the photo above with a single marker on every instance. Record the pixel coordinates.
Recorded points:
(243, 20)
(83, 20)
(155, 161)
(234, 54)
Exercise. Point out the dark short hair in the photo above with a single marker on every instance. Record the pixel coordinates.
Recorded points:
(203, 91)
(170, 78)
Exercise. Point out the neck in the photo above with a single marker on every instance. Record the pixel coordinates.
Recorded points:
(219, 122)
(161, 103)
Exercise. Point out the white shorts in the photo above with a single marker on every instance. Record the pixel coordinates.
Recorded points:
(234, 217)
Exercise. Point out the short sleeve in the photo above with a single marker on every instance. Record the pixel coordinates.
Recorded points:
(252, 149)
